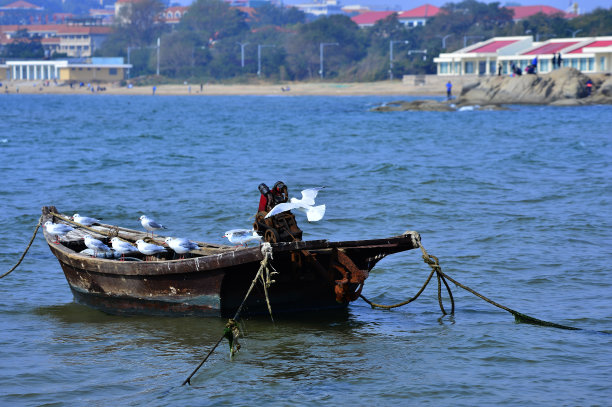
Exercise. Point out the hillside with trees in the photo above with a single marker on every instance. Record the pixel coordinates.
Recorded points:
(283, 44)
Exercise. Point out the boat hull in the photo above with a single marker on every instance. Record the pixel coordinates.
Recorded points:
(303, 276)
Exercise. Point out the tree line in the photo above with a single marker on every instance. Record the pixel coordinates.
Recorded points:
(213, 40)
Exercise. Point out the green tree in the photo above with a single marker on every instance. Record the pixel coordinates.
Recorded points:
(24, 46)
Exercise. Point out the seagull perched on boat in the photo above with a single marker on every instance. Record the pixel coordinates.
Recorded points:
(57, 229)
(150, 225)
(123, 247)
(306, 205)
(149, 248)
(181, 245)
(242, 236)
(84, 220)
(95, 245)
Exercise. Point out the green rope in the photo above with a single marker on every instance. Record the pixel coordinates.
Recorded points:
(433, 262)
(26, 250)
(231, 331)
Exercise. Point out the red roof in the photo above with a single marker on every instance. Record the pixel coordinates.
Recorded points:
(371, 17)
(493, 46)
(551, 48)
(521, 12)
(426, 10)
(598, 44)
(20, 4)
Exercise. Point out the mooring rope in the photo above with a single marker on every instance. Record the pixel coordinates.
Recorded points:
(26, 249)
(231, 327)
(433, 262)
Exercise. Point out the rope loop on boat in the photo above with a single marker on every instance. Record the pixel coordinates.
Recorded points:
(26, 249)
(434, 263)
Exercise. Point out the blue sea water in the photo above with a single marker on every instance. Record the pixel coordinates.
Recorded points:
(516, 204)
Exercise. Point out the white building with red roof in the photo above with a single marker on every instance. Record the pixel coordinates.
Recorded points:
(481, 58)
(369, 18)
(418, 16)
(523, 12)
(587, 54)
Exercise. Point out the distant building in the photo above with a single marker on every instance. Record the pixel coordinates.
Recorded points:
(369, 18)
(589, 55)
(321, 8)
(418, 16)
(76, 70)
(73, 40)
(523, 12)
(21, 5)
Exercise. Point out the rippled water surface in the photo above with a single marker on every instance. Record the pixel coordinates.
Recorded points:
(516, 204)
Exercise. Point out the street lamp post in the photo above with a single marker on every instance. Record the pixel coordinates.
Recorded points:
(391, 56)
(574, 32)
(242, 46)
(259, 47)
(158, 45)
(419, 51)
(444, 37)
(321, 46)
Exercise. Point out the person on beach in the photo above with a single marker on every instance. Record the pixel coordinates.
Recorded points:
(449, 87)
(154, 89)
(499, 69)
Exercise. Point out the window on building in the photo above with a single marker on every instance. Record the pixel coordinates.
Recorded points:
(443, 67)
(492, 69)
(602, 64)
(543, 65)
(469, 67)
(112, 71)
(574, 62)
(591, 64)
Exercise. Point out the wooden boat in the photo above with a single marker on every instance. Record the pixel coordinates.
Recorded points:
(214, 279)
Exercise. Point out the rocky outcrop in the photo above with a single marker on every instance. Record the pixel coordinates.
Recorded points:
(566, 86)
(431, 106)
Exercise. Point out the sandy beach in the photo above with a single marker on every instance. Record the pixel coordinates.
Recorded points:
(433, 86)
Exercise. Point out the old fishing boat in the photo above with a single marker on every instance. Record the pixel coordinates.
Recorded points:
(213, 279)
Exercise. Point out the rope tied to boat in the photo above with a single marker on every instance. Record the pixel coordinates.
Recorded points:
(231, 331)
(434, 263)
(26, 249)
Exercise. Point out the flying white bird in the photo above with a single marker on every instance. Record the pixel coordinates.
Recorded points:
(57, 229)
(181, 245)
(123, 247)
(148, 248)
(242, 236)
(306, 205)
(150, 225)
(84, 220)
(95, 245)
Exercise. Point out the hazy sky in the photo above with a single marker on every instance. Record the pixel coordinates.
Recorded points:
(585, 5)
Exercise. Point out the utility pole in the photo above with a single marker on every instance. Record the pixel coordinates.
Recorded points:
(242, 46)
(158, 45)
(259, 47)
(391, 56)
(321, 46)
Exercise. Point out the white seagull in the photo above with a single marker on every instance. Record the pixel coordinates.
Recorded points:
(84, 220)
(242, 236)
(306, 205)
(149, 248)
(95, 245)
(150, 225)
(123, 247)
(57, 229)
(181, 245)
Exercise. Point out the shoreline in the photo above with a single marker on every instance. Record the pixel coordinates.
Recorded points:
(382, 88)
